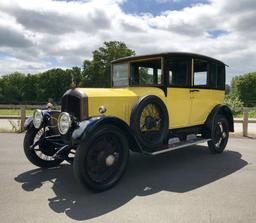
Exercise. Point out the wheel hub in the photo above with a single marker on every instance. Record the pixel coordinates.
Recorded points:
(150, 122)
(110, 159)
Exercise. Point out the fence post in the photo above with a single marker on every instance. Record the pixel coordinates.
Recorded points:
(245, 122)
(22, 117)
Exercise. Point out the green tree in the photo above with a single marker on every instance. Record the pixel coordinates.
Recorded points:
(227, 89)
(244, 87)
(52, 84)
(12, 87)
(30, 89)
(76, 75)
(97, 72)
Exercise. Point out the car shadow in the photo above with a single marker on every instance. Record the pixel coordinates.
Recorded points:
(178, 171)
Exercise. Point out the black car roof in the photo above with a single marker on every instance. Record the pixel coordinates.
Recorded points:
(130, 58)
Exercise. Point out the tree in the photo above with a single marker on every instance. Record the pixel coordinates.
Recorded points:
(76, 75)
(52, 84)
(227, 89)
(244, 87)
(30, 89)
(97, 72)
(12, 87)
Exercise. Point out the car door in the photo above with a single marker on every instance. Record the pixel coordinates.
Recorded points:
(202, 93)
(178, 70)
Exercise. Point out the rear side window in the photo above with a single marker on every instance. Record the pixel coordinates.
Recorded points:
(179, 71)
(201, 71)
(217, 76)
(208, 74)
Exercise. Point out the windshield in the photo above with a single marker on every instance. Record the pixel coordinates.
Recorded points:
(120, 75)
(146, 72)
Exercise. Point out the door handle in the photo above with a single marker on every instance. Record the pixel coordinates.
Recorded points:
(194, 90)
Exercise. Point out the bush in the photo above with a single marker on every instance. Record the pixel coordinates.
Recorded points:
(234, 103)
(244, 86)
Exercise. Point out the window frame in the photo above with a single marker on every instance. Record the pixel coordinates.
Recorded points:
(147, 85)
(185, 58)
(208, 74)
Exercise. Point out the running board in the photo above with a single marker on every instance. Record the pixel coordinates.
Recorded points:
(180, 145)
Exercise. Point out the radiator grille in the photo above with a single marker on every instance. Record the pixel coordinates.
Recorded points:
(75, 103)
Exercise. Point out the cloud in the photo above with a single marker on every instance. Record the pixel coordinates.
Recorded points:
(11, 64)
(66, 32)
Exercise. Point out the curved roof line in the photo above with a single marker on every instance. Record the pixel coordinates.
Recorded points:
(126, 59)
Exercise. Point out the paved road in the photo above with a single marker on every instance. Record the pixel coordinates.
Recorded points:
(188, 185)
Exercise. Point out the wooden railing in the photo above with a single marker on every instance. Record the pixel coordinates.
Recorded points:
(22, 117)
(22, 114)
(245, 120)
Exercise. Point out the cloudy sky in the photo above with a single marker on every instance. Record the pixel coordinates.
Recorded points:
(36, 35)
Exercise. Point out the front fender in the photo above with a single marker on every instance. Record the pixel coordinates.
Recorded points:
(28, 123)
(87, 127)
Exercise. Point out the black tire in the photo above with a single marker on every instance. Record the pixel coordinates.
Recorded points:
(154, 138)
(219, 134)
(32, 155)
(90, 163)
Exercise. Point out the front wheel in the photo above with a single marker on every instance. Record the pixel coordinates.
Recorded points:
(38, 150)
(220, 134)
(101, 159)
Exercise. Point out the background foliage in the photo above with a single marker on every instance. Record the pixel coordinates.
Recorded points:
(18, 88)
(244, 87)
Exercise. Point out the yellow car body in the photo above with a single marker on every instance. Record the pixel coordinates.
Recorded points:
(185, 108)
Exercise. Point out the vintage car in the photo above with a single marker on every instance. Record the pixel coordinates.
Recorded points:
(157, 103)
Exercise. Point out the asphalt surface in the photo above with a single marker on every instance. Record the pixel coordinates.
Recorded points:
(187, 185)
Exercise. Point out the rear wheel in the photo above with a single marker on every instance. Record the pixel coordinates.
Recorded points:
(101, 159)
(219, 135)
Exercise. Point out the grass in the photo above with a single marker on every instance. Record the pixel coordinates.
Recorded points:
(2, 130)
(14, 112)
(252, 114)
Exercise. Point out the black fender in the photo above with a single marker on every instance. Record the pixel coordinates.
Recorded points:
(87, 127)
(28, 123)
(223, 110)
(50, 118)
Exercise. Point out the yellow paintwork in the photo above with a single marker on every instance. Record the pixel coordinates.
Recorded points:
(118, 101)
(185, 108)
(202, 104)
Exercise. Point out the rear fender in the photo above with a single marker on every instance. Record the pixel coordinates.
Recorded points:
(223, 110)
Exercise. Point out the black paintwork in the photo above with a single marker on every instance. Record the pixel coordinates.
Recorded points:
(168, 54)
(87, 127)
(220, 109)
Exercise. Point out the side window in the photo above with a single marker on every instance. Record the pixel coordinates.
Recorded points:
(217, 76)
(221, 77)
(146, 72)
(179, 71)
(201, 70)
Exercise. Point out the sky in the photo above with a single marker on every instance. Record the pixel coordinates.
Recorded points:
(44, 34)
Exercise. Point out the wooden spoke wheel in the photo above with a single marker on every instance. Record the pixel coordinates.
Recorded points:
(149, 120)
(101, 161)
